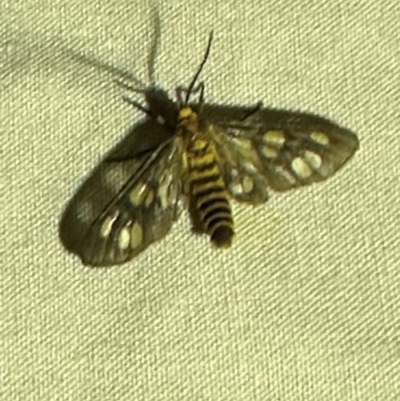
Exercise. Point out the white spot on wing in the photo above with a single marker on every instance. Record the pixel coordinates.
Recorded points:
(136, 235)
(149, 198)
(236, 186)
(243, 147)
(301, 168)
(138, 193)
(124, 238)
(269, 152)
(237, 189)
(242, 142)
(247, 184)
(286, 175)
(249, 167)
(313, 159)
(163, 191)
(275, 139)
(320, 138)
(107, 224)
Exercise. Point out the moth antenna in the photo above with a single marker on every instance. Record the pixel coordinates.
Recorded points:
(206, 54)
(152, 60)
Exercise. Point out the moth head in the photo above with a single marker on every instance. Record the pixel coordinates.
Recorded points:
(161, 107)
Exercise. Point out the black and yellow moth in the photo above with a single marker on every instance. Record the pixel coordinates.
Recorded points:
(209, 155)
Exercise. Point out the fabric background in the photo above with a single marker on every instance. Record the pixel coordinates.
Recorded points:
(305, 306)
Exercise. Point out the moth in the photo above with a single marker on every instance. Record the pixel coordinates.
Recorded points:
(210, 155)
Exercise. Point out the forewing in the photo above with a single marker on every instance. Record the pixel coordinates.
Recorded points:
(141, 213)
(278, 148)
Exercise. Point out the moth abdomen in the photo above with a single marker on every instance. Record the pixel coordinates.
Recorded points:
(209, 194)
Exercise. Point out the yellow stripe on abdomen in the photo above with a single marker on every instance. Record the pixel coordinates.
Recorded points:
(209, 194)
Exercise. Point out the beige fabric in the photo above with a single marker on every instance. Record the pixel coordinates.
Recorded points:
(306, 305)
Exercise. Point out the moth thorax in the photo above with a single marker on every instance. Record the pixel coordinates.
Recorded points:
(209, 194)
(188, 122)
(187, 113)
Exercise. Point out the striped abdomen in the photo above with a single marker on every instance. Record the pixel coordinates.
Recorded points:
(208, 193)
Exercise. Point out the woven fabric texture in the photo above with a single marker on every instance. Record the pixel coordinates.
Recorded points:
(304, 306)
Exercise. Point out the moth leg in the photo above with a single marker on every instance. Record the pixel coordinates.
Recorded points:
(180, 90)
(200, 88)
(130, 101)
(137, 105)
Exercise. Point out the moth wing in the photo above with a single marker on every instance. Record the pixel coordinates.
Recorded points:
(276, 148)
(142, 212)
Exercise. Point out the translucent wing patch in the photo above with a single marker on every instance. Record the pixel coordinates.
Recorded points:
(143, 211)
(276, 148)
(299, 149)
(241, 167)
